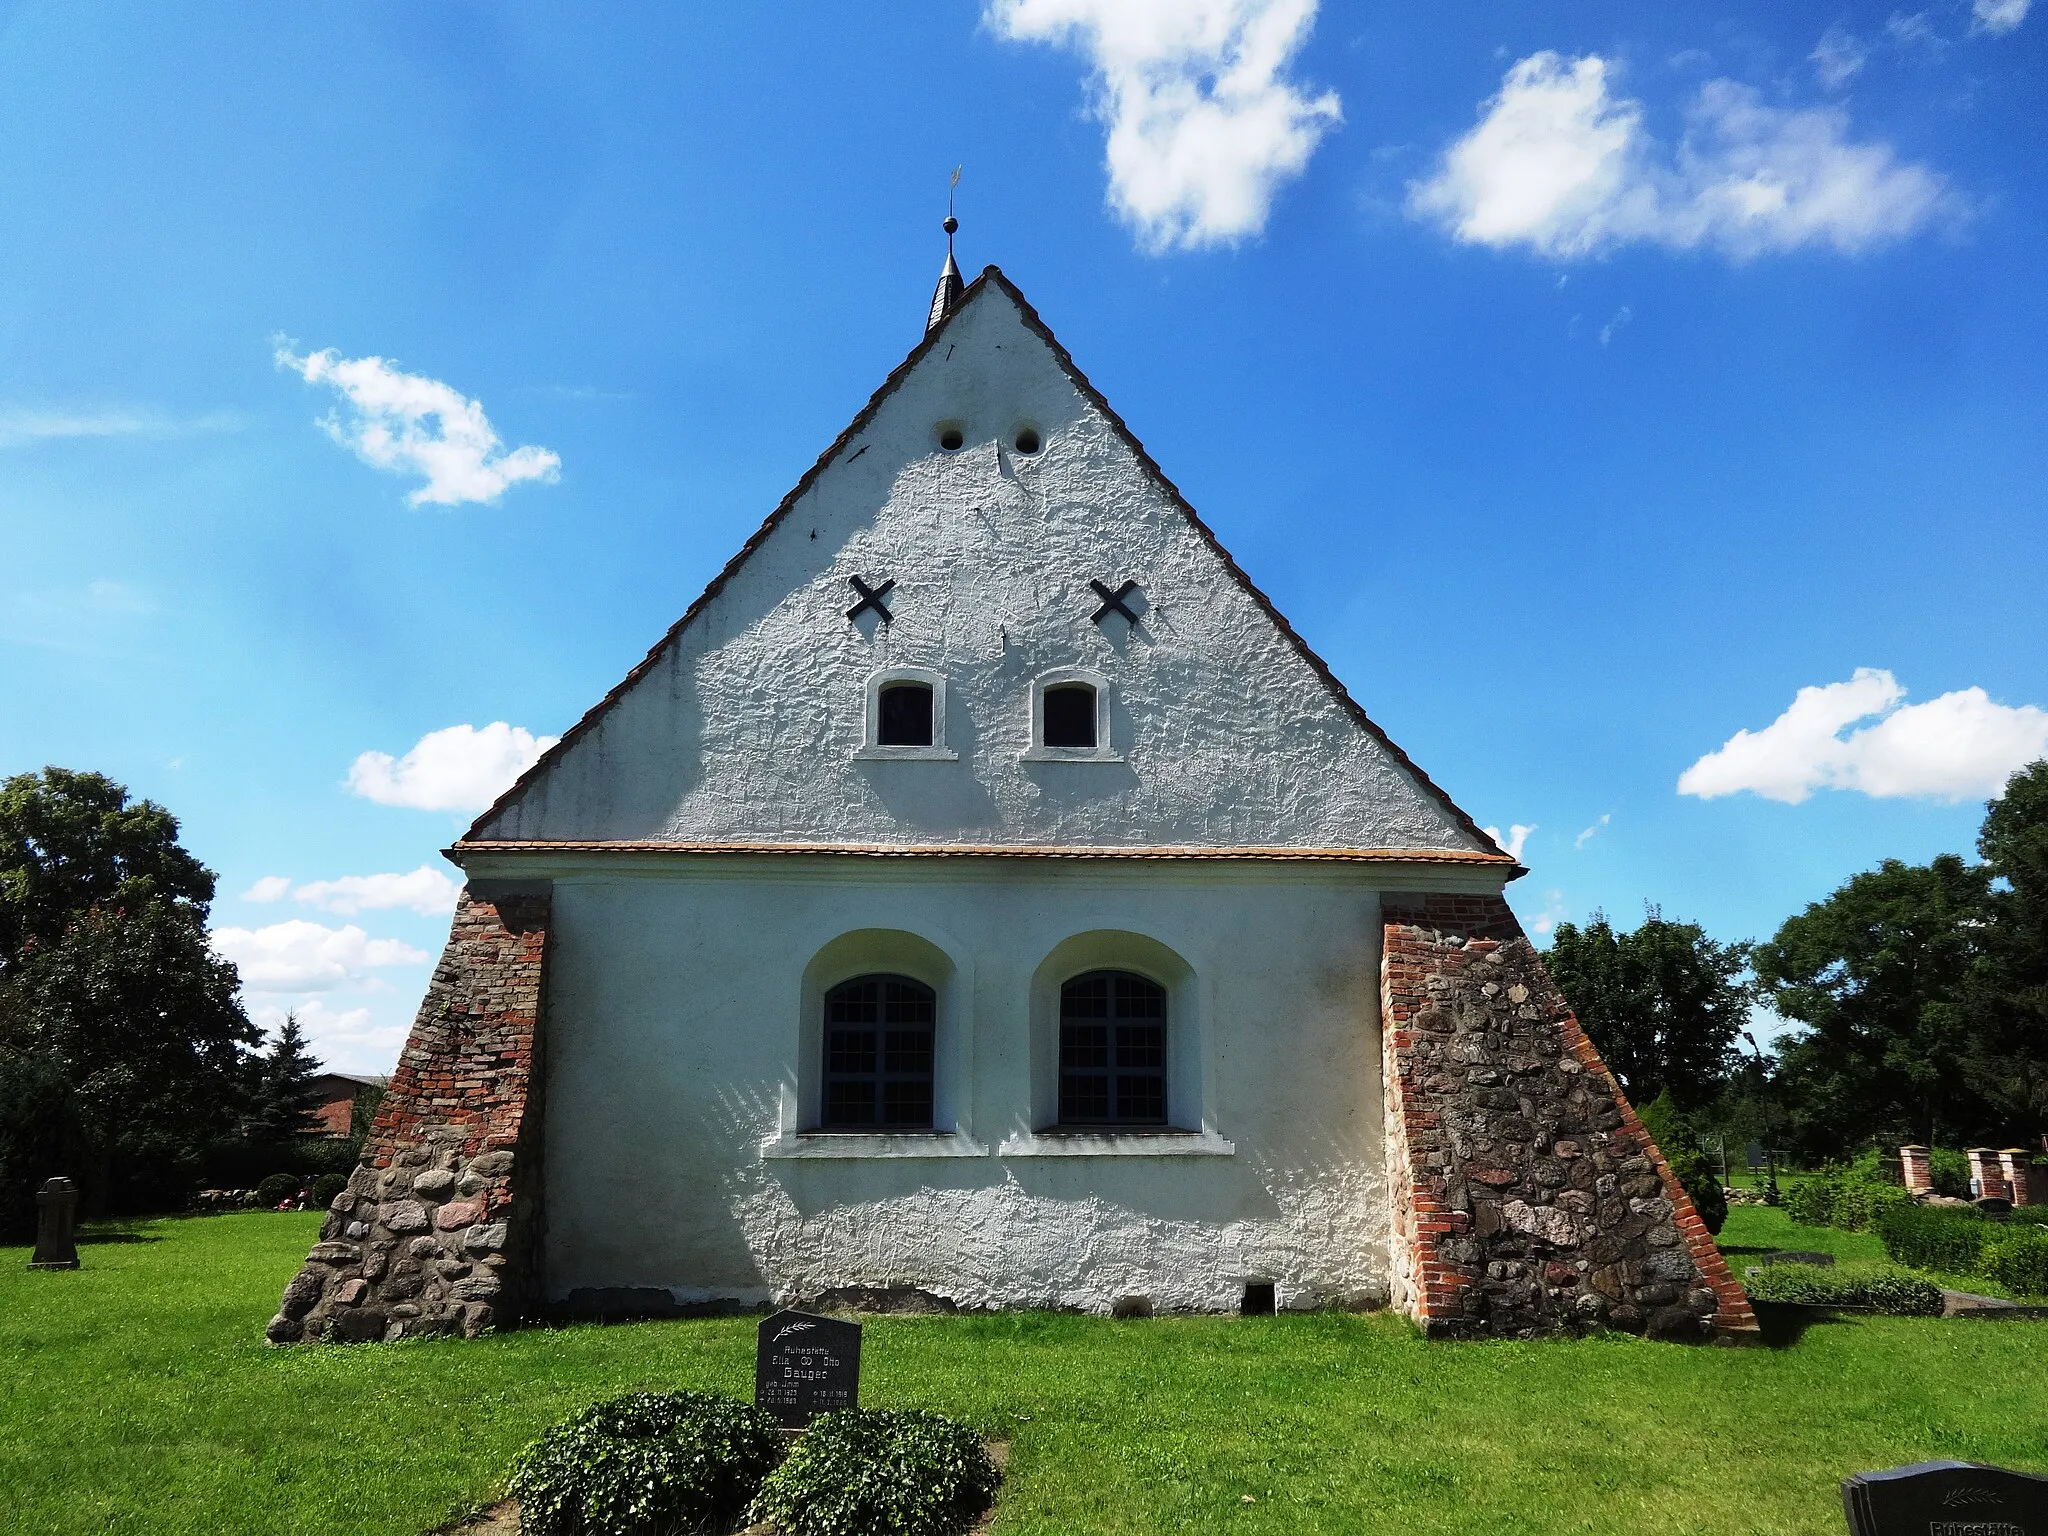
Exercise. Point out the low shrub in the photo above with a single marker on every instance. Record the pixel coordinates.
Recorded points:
(2017, 1258)
(648, 1464)
(2031, 1215)
(1848, 1285)
(1853, 1199)
(872, 1473)
(1688, 1160)
(1935, 1237)
(1950, 1171)
(326, 1187)
(278, 1188)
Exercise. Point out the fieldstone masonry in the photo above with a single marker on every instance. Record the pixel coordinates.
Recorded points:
(438, 1229)
(1528, 1197)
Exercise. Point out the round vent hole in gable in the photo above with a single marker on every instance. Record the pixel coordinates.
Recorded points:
(1028, 440)
(951, 436)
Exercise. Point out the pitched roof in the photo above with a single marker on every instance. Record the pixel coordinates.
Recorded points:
(990, 275)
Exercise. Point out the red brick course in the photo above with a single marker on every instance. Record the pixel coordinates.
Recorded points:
(454, 1153)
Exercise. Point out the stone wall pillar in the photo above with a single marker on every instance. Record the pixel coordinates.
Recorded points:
(1528, 1198)
(2016, 1166)
(439, 1228)
(1917, 1169)
(1986, 1182)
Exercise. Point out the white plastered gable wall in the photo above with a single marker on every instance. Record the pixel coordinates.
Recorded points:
(684, 987)
(745, 725)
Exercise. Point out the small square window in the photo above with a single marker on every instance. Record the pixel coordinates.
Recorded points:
(904, 716)
(1070, 715)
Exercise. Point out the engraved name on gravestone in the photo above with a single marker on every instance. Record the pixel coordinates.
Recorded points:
(1946, 1498)
(805, 1366)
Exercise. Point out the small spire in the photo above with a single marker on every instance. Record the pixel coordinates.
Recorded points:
(946, 298)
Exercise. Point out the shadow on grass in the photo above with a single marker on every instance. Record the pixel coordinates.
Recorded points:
(1784, 1323)
(85, 1238)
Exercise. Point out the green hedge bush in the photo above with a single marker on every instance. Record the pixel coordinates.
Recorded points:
(326, 1187)
(648, 1464)
(276, 1189)
(1853, 1199)
(873, 1473)
(1935, 1237)
(1896, 1291)
(2017, 1258)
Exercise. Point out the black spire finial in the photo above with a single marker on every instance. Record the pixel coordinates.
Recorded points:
(947, 298)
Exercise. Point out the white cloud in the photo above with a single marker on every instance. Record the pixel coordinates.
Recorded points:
(1613, 327)
(1512, 843)
(1955, 747)
(269, 888)
(298, 956)
(425, 890)
(412, 425)
(1838, 57)
(1552, 914)
(1997, 16)
(1914, 31)
(1560, 165)
(1204, 128)
(1591, 832)
(460, 768)
(344, 1039)
(28, 425)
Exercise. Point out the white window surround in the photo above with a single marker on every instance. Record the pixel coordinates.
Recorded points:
(1102, 751)
(880, 952)
(872, 751)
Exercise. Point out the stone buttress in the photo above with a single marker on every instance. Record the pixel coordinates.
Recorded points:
(438, 1230)
(1528, 1198)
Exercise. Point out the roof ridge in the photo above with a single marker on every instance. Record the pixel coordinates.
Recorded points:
(989, 274)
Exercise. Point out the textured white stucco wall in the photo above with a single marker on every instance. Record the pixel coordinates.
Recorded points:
(680, 1038)
(747, 728)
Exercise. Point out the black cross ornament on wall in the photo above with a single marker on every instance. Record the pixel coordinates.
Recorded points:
(1113, 602)
(870, 597)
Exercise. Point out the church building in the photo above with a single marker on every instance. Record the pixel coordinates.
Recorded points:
(982, 898)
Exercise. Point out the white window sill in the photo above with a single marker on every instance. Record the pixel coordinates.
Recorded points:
(1072, 755)
(1118, 1144)
(905, 755)
(855, 1145)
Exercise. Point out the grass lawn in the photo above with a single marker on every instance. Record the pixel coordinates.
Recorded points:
(139, 1396)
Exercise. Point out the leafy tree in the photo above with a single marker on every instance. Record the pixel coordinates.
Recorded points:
(108, 987)
(2007, 1056)
(1877, 974)
(70, 842)
(282, 1096)
(1663, 1004)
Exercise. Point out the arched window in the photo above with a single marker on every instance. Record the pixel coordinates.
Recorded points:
(903, 715)
(1070, 715)
(1112, 1050)
(878, 1055)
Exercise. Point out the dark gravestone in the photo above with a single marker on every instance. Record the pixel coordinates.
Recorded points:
(1798, 1256)
(805, 1366)
(56, 1226)
(1946, 1498)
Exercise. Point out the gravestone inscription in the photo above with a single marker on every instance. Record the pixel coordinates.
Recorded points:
(805, 1365)
(1946, 1498)
(56, 1226)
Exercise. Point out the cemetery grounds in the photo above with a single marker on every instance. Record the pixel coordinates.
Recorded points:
(139, 1396)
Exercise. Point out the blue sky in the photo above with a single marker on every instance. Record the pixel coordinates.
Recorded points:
(1583, 382)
